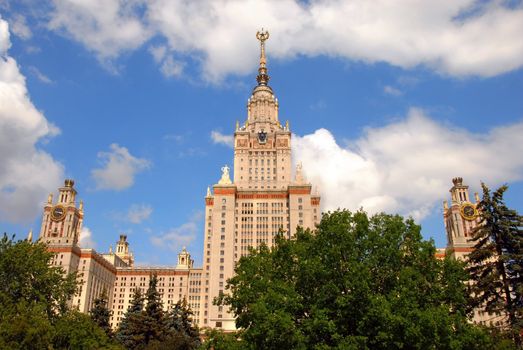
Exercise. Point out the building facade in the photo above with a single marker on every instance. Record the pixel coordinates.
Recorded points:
(263, 199)
(461, 216)
(113, 271)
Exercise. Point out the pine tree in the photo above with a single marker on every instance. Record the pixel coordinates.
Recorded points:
(154, 320)
(179, 322)
(131, 332)
(496, 263)
(101, 314)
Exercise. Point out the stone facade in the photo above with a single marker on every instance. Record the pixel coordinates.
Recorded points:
(460, 218)
(262, 200)
(113, 271)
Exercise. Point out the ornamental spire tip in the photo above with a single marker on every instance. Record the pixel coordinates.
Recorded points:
(263, 77)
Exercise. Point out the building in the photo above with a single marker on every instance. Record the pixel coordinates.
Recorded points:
(263, 199)
(460, 218)
(113, 271)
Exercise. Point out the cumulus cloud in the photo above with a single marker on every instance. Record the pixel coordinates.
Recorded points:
(86, 238)
(219, 138)
(106, 27)
(119, 168)
(390, 90)
(180, 236)
(169, 67)
(406, 166)
(456, 37)
(27, 172)
(138, 213)
(20, 27)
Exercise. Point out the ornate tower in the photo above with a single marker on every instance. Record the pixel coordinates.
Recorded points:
(61, 227)
(460, 218)
(62, 221)
(262, 200)
(184, 260)
(122, 251)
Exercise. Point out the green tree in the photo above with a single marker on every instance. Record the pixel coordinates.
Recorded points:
(26, 275)
(154, 318)
(496, 263)
(76, 330)
(34, 298)
(131, 332)
(101, 314)
(357, 282)
(216, 339)
(179, 324)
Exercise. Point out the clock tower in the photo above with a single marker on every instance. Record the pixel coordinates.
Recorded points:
(262, 200)
(62, 219)
(460, 218)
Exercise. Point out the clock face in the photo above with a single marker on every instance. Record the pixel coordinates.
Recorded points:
(262, 136)
(468, 211)
(58, 213)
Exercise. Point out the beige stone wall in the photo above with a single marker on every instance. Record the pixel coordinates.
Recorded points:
(459, 229)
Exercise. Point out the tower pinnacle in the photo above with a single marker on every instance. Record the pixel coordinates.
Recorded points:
(263, 77)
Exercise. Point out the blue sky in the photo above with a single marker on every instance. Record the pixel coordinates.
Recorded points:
(137, 101)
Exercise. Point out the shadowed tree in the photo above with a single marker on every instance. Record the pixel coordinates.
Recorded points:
(496, 263)
(131, 332)
(179, 324)
(101, 314)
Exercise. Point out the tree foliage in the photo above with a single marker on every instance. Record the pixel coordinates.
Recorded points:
(101, 314)
(216, 339)
(358, 282)
(76, 330)
(130, 331)
(34, 298)
(147, 326)
(179, 323)
(26, 274)
(496, 263)
(154, 316)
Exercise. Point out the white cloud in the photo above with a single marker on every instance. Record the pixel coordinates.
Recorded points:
(138, 213)
(389, 90)
(27, 172)
(39, 75)
(5, 42)
(169, 67)
(106, 27)
(406, 166)
(119, 168)
(456, 37)
(86, 238)
(219, 138)
(180, 236)
(20, 27)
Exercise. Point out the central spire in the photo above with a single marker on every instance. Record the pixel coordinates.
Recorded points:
(263, 77)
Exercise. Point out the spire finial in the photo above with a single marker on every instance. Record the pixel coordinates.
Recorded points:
(263, 77)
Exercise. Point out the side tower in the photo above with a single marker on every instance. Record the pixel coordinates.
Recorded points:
(460, 218)
(262, 200)
(122, 251)
(61, 226)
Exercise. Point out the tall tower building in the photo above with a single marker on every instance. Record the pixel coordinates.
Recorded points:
(460, 218)
(262, 199)
(61, 226)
